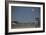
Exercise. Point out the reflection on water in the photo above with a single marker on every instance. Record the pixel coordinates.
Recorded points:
(33, 24)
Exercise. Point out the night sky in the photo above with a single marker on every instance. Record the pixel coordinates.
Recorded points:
(24, 14)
